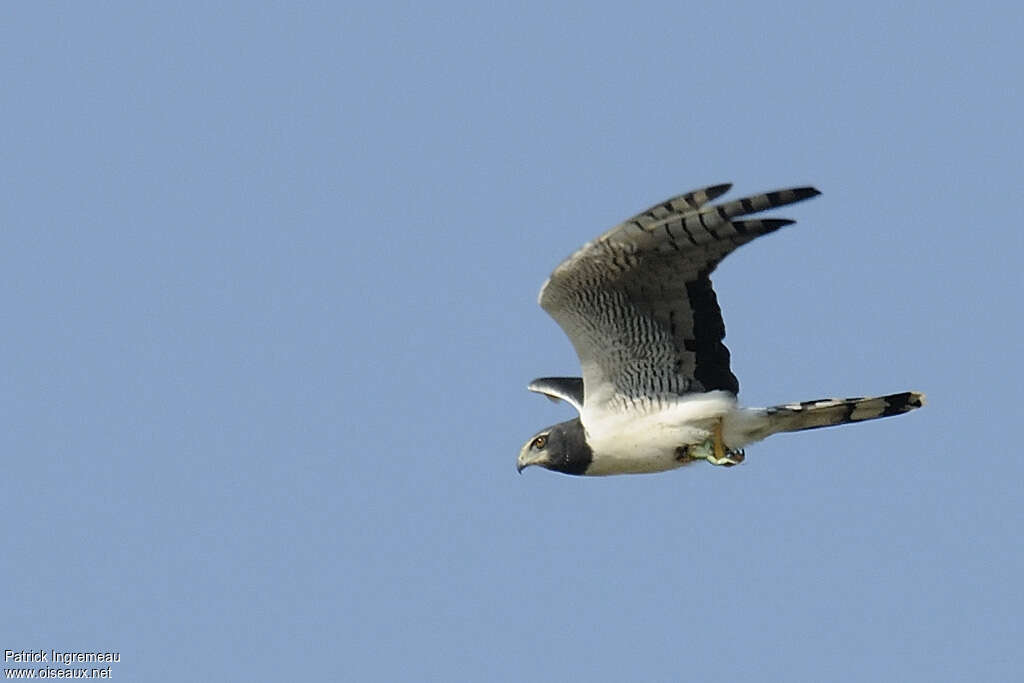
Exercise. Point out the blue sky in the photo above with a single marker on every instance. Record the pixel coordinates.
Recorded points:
(270, 310)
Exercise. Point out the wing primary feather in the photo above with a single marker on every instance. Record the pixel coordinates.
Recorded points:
(680, 205)
(700, 197)
(712, 216)
(764, 201)
(761, 226)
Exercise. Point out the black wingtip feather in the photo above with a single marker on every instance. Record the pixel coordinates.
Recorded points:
(896, 404)
(716, 191)
(790, 195)
(776, 223)
(761, 226)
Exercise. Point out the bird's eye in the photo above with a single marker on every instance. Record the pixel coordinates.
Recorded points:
(540, 442)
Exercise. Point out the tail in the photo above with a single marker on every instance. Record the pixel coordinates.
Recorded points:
(826, 412)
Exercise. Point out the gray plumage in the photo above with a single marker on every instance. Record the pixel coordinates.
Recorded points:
(638, 306)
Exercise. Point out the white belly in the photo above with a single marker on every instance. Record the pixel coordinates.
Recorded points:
(636, 443)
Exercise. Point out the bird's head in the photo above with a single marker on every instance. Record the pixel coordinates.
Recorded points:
(561, 447)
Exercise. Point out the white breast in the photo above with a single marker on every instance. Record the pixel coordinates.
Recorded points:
(646, 439)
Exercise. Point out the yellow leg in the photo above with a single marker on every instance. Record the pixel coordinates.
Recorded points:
(720, 455)
(719, 445)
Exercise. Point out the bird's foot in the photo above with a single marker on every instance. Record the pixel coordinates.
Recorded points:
(729, 458)
(714, 451)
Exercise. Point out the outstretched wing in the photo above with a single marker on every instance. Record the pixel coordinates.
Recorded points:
(637, 302)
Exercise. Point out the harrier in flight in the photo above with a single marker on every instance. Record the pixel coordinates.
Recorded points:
(657, 392)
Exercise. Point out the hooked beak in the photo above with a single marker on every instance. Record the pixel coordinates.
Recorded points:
(528, 458)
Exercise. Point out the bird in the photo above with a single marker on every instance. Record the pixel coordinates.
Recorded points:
(657, 391)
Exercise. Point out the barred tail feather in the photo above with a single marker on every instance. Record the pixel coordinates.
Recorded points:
(794, 417)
